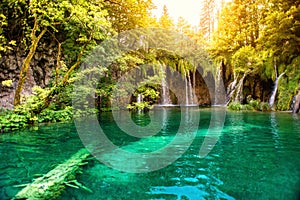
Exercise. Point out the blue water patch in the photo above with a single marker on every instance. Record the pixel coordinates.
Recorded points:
(257, 156)
(190, 192)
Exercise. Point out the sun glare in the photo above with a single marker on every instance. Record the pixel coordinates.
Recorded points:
(188, 9)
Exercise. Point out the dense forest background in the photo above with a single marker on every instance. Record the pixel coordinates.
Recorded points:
(255, 46)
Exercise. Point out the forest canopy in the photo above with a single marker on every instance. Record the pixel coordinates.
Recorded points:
(256, 42)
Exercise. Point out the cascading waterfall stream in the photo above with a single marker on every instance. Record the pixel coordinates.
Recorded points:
(235, 89)
(189, 90)
(186, 90)
(239, 93)
(139, 98)
(165, 95)
(219, 83)
(272, 98)
(191, 93)
(189, 97)
(230, 90)
(194, 84)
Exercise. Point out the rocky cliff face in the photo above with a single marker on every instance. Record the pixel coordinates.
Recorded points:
(39, 73)
(253, 85)
(44, 62)
(198, 86)
(257, 88)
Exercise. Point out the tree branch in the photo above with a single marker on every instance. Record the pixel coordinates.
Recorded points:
(77, 63)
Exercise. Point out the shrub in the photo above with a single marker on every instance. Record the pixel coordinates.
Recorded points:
(235, 106)
(49, 115)
(139, 106)
(252, 105)
(10, 121)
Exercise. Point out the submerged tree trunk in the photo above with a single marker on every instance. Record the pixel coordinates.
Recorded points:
(51, 185)
(26, 62)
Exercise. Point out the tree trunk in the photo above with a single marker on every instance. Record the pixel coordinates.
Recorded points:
(58, 87)
(26, 63)
(57, 63)
(52, 184)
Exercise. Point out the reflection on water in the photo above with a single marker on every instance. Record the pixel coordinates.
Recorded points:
(256, 157)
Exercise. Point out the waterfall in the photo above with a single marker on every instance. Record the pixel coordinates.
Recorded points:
(139, 98)
(191, 92)
(218, 87)
(230, 90)
(186, 91)
(165, 94)
(220, 93)
(195, 99)
(235, 90)
(239, 93)
(273, 96)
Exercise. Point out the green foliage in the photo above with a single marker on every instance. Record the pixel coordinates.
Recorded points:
(72, 23)
(25, 115)
(149, 95)
(86, 23)
(288, 85)
(7, 83)
(261, 38)
(4, 43)
(245, 59)
(10, 121)
(49, 115)
(129, 14)
(165, 20)
(253, 105)
(33, 102)
(142, 106)
(238, 26)
(281, 32)
(235, 106)
(2, 37)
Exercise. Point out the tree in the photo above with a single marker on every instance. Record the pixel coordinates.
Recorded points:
(129, 14)
(239, 25)
(165, 21)
(207, 18)
(281, 33)
(184, 27)
(23, 74)
(77, 25)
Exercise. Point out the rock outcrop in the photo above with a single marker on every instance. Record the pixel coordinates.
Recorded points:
(39, 73)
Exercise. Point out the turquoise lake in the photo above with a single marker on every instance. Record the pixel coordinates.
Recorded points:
(257, 156)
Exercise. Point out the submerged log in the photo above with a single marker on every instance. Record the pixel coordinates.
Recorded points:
(52, 184)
